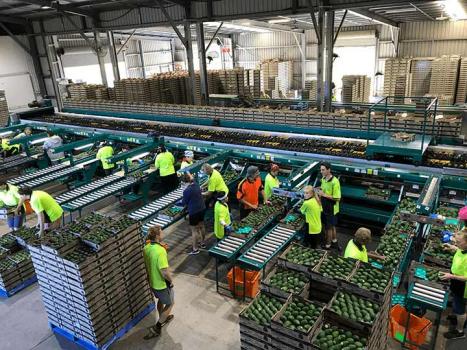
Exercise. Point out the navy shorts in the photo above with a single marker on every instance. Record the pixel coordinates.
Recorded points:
(458, 304)
(329, 220)
(165, 296)
(195, 219)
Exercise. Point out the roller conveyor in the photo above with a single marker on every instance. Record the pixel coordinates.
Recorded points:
(28, 177)
(82, 190)
(155, 206)
(228, 247)
(57, 175)
(100, 194)
(15, 161)
(267, 247)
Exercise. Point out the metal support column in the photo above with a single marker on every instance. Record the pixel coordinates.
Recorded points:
(172, 51)
(141, 58)
(190, 64)
(113, 55)
(320, 72)
(203, 70)
(232, 41)
(329, 60)
(54, 68)
(100, 56)
(303, 52)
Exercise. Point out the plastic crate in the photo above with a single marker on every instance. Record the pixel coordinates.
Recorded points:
(418, 326)
(250, 288)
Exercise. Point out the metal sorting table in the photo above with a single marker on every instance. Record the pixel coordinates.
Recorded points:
(37, 174)
(258, 255)
(152, 208)
(50, 177)
(87, 199)
(82, 190)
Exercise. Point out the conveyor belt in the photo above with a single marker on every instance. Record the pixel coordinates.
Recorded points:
(155, 206)
(82, 190)
(17, 161)
(100, 194)
(49, 170)
(56, 175)
(228, 247)
(268, 246)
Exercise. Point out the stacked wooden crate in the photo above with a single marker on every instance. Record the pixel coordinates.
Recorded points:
(285, 76)
(312, 87)
(396, 74)
(461, 94)
(252, 82)
(4, 114)
(355, 88)
(420, 76)
(269, 71)
(444, 78)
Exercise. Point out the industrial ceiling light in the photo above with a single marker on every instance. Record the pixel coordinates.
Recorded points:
(280, 20)
(45, 7)
(408, 9)
(454, 9)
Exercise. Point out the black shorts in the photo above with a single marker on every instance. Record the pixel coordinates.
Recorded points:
(195, 219)
(458, 304)
(329, 220)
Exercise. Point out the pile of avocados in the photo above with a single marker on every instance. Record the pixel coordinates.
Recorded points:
(352, 307)
(371, 278)
(304, 256)
(288, 280)
(336, 267)
(300, 316)
(334, 338)
(262, 309)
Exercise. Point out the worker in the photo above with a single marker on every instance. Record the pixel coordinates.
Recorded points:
(187, 159)
(160, 279)
(53, 141)
(9, 150)
(463, 217)
(165, 162)
(271, 181)
(330, 194)
(216, 183)
(356, 248)
(222, 222)
(104, 153)
(248, 191)
(194, 202)
(311, 208)
(458, 279)
(9, 200)
(25, 133)
(48, 211)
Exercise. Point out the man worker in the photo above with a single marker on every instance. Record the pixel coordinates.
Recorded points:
(104, 153)
(330, 194)
(53, 141)
(160, 279)
(48, 211)
(271, 181)
(248, 191)
(25, 133)
(458, 281)
(216, 183)
(165, 163)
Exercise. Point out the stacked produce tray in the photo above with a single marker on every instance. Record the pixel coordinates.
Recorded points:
(299, 258)
(152, 208)
(281, 282)
(93, 287)
(37, 174)
(333, 270)
(93, 197)
(82, 190)
(258, 255)
(50, 177)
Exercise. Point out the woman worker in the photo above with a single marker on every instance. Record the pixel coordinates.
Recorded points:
(356, 248)
(48, 211)
(221, 215)
(9, 200)
(312, 209)
(187, 159)
(165, 162)
(271, 181)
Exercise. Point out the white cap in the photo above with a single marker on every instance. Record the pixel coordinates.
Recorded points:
(189, 154)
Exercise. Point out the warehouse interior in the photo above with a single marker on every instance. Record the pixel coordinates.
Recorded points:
(324, 142)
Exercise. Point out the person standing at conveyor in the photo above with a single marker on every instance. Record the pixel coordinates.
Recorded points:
(330, 194)
(9, 200)
(104, 153)
(187, 159)
(165, 163)
(25, 133)
(53, 141)
(216, 183)
(463, 217)
(194, 202)
(311, 208)
(248, 191)
(222, 221)
(160, 279)
(356, 248)
(458, 281)
(271, 181)
(49, 212)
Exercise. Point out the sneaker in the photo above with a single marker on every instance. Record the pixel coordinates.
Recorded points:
(454, 334)
(326, 247)
(202, 245)
(194, 252)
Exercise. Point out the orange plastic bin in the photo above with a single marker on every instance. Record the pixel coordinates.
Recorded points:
(252, 282)
(418, 326)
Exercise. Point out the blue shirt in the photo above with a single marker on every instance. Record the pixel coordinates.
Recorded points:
(193, 199)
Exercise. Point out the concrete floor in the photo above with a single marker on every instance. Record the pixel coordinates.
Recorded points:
(204, 319)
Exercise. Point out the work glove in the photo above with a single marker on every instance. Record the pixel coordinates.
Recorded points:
(228, 228)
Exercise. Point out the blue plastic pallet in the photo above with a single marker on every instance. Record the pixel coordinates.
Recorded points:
(25, 284)
(89, 346)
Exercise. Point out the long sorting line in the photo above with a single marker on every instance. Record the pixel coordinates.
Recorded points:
(17, 161)
(81, 202)
(228, 247)
(258, 255)
(24, 178)
(82, 190)
(50, 177)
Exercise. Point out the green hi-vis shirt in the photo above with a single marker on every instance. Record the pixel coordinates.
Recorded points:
(312, 211)
(216, 183)
(332, 188)
(43, 202)
(352, 251)
(270, 182)
(6, 145)
(155, 259)
(459, 266)
(165, 163)
(221, 213)
(9, 198)
(103, 154)
(185, 164)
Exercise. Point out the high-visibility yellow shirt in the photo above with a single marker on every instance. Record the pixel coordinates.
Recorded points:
(216, 183)
(332, 188)
(43, 202)
(270, 182)
(312, 211)
(10, 197)
(104, 154)
(165, 163)
(185, 164)
(352, 251)
(459, 266)
(221, 213)
(155, 259)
